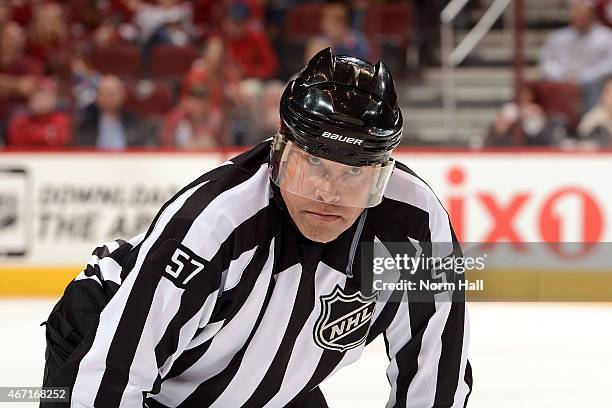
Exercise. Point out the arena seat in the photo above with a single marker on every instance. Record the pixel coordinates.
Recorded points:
(169, 61)
(389, 23)
(151, 99)
(303, 21)
(388, 27)
(122, 60)
(560, 98)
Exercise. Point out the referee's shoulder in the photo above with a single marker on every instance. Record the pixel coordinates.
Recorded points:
(204, 214)
(199, 221)
(231, 179)
(407, 186)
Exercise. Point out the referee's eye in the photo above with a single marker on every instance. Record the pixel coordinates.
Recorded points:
(353, 171)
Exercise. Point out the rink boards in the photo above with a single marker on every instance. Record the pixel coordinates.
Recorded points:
(55, 207)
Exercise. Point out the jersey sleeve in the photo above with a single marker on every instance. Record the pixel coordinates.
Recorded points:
(427, 340)
(166, 293)
(143, 328)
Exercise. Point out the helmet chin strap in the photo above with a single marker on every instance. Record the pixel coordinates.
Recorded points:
(355, 242)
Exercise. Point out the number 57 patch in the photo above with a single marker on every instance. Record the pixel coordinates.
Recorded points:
(183, 265)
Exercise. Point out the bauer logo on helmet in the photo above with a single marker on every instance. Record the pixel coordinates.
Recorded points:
(350, 140)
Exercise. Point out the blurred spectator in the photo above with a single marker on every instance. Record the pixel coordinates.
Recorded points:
(108, 34)
(270, 100)
(168, 19)
(42, 125)
(87, 15)
(84, 82)
(13, 60)
(211, 63)
(596, 125)
(22, 11)
(207, 13)
(258, 8)
(275, 14)
(239, 99)
(196, 122)
(604, 10)
(253, 117)
(123, 9)
(4, 13)
(164, 22)
(539, 130)
(48, 39)
(107, 124)
(245, 112)
(336, 30)
(18, 72)
(313, 46)
(211, 70)
(579, 53)
(359, 10)
(250, 52)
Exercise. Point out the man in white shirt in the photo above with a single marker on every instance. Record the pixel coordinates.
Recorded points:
(581, 53)
(596, 125)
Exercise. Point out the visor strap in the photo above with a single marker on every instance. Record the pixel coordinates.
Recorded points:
(355, 242)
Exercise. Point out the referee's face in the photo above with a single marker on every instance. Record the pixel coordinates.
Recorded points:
(318, 212)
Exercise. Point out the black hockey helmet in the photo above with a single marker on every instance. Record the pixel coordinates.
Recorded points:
(341, 110)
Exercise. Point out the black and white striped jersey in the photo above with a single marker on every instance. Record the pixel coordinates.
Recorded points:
(222, 303)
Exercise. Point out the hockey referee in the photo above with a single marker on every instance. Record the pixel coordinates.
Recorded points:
(238, 293)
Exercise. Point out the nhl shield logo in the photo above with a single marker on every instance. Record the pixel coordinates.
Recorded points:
(344, 321)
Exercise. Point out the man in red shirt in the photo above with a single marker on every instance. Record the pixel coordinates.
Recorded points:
(604, 10)
(249, 48)
(42, 125)
(17, 72)
(49, 39)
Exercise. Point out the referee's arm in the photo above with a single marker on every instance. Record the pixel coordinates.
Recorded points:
(427, 341)
(167, 295)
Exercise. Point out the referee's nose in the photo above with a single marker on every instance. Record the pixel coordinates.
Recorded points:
(327, 192)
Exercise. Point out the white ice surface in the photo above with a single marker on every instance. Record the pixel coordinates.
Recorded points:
(522, 355)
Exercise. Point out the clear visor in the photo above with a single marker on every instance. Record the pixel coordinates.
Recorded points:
(328, 181)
